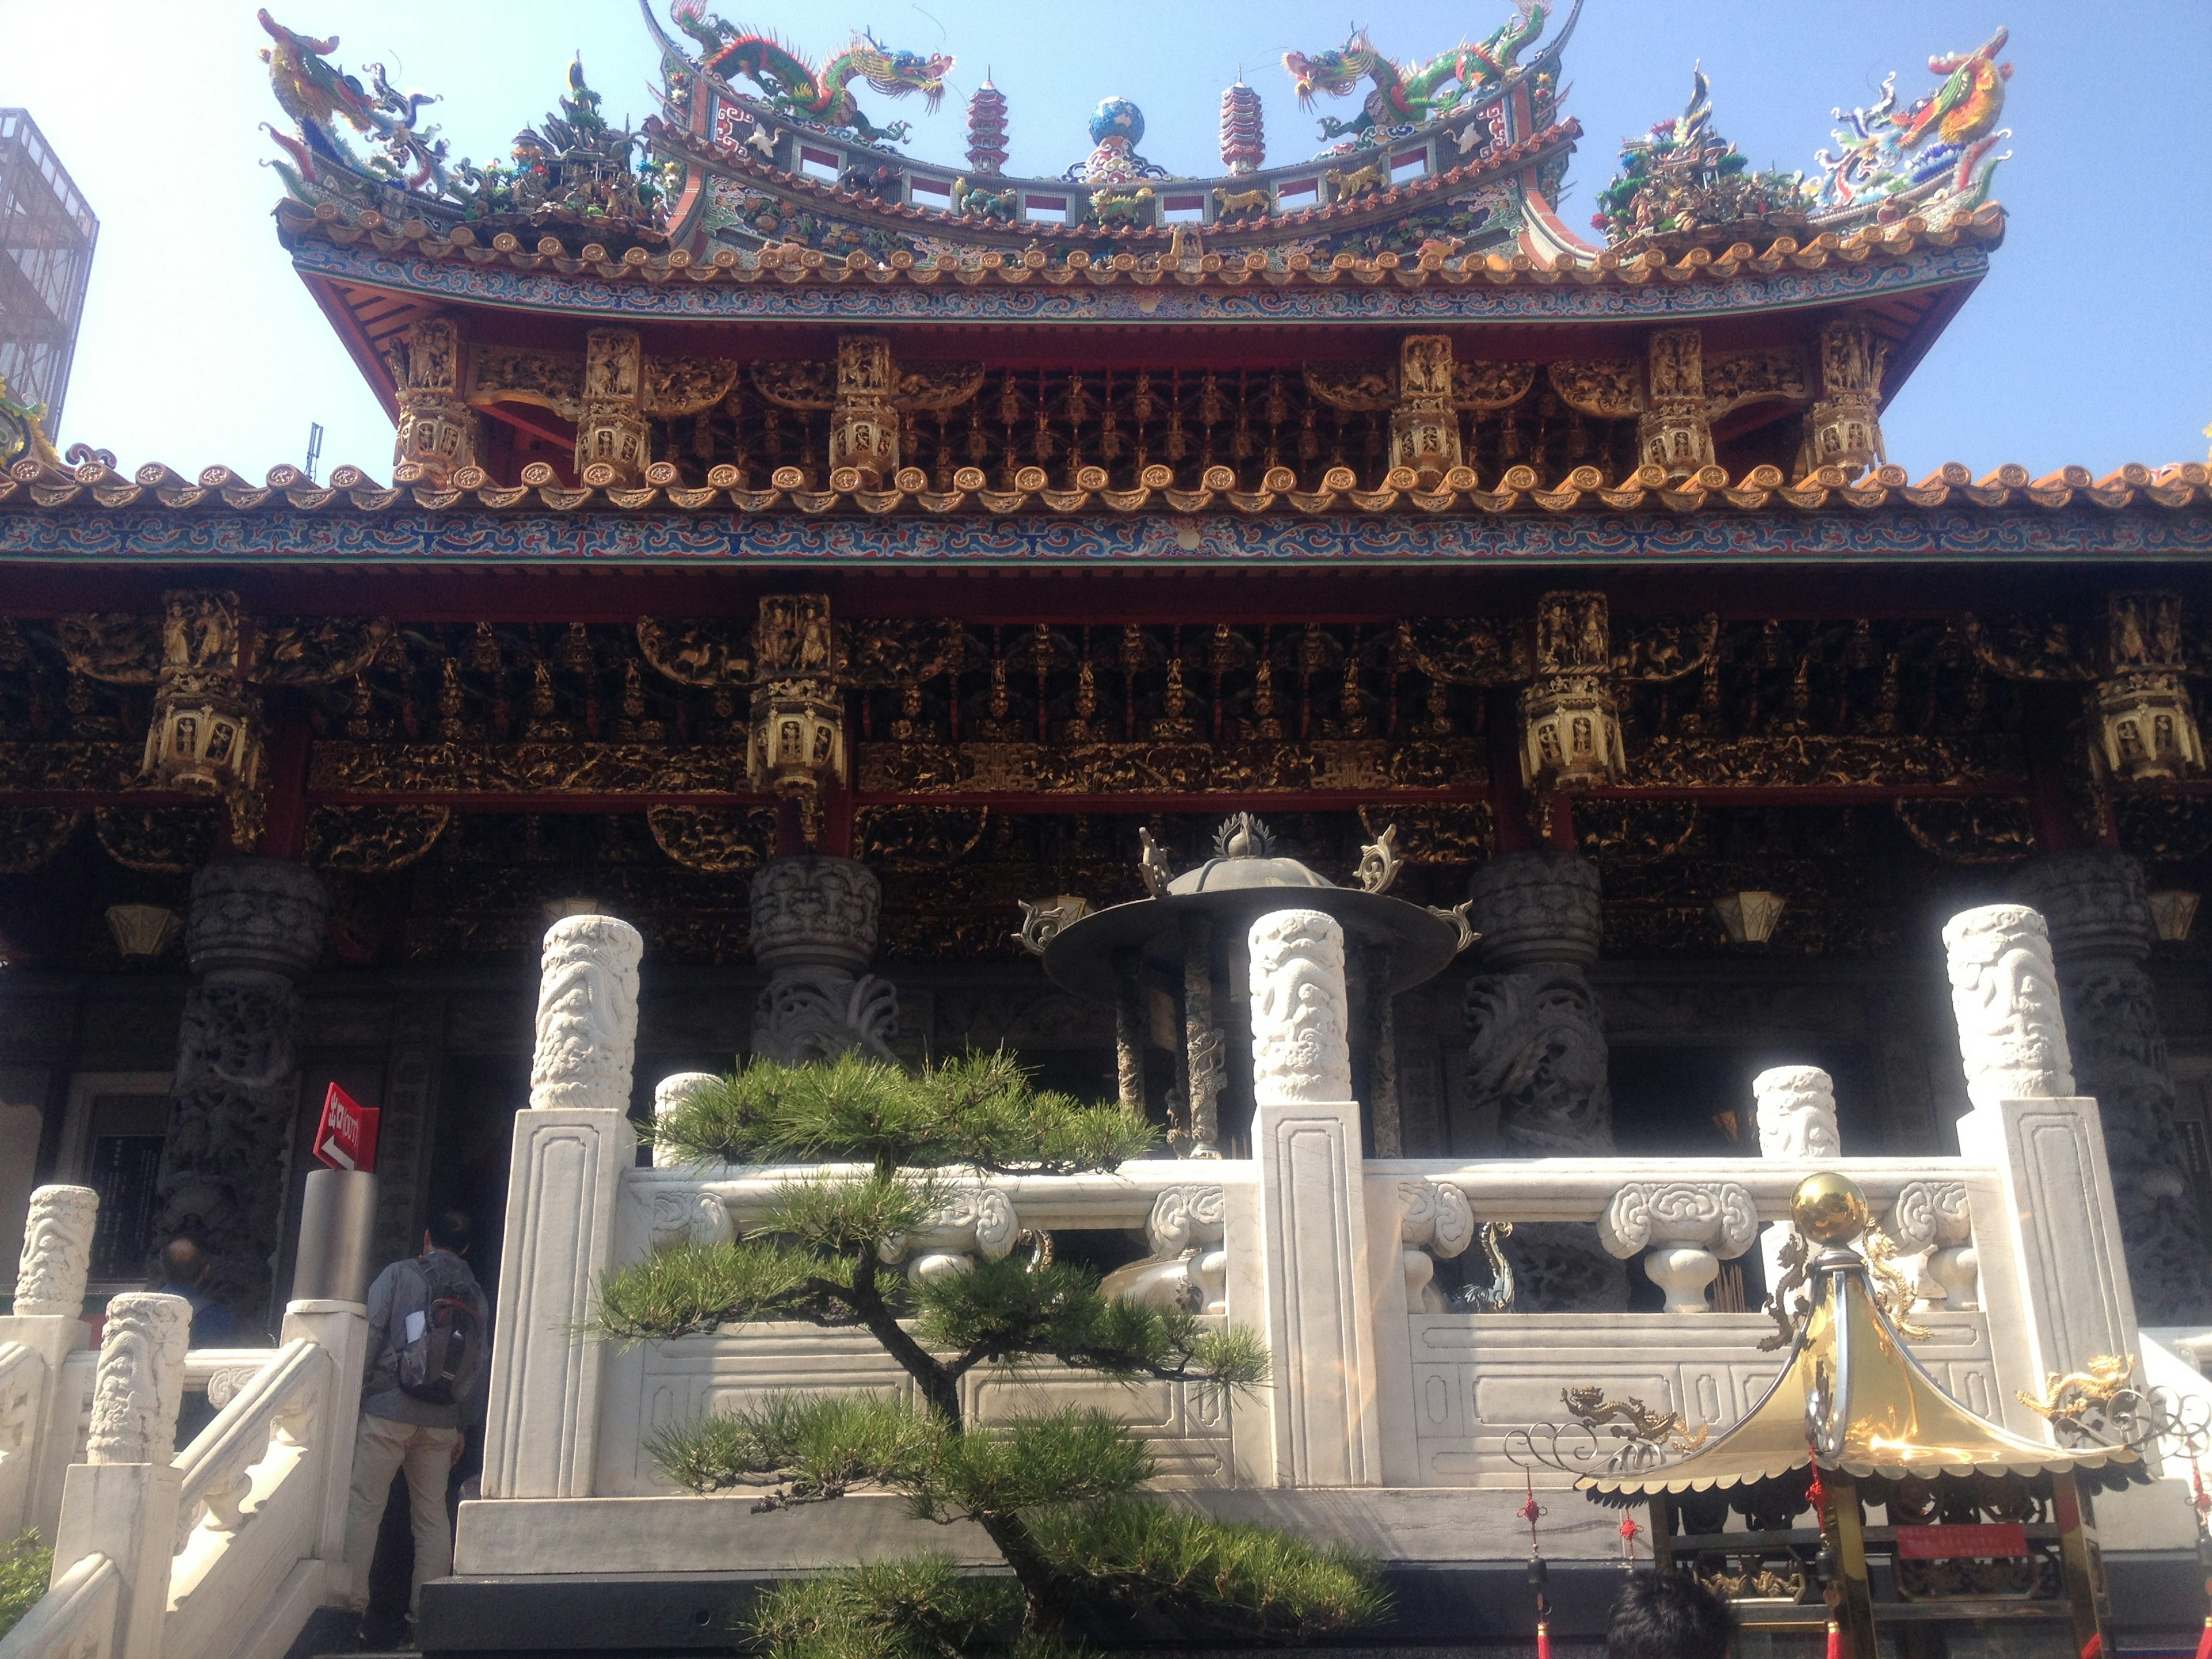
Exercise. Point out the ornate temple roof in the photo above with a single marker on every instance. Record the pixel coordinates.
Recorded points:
(759, 163)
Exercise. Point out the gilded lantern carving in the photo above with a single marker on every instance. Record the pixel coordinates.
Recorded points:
(1674, 430)
(864, 427)
(205, 730)
(437, 432)
(612, 432)
(2146, 721)
(1423, 425)
(797, 737)
(1843, 429)
(1571, 728)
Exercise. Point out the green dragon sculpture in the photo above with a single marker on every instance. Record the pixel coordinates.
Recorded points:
(1401, 94)
(794, 86)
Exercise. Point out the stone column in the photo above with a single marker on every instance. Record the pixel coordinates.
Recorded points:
(122, 1500)
(255, 928)
(570, 1150)
(2094, 905)
(1539, 1054)
(670, 1093)
(49, 1280)
(1796, 1112)
(2046, 1230)
(814, 930)
(1312, 1207)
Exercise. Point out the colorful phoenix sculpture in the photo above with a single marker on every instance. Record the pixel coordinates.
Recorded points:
(1411, 93)
(794, 86)
(1941, 149)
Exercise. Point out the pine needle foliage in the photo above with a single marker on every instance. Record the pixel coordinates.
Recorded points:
(26, 1564)
(1057, 1492)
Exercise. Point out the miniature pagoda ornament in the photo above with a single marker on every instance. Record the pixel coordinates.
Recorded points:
(987, 129)
(1244, 133)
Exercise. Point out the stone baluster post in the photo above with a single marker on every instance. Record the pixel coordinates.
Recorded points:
(814, 930)
(255, 929)
(1539, 1054)
(2054, 1272)
(1319, 1294)
(50, 1280)
(1689, 1227)
(122, 1500)
(570, 1150)
(1796, 1112)
(2093, 904)
(668, 1094)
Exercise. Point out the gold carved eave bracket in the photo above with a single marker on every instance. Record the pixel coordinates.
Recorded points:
(1814, 762)
(451, 770)
(1350, 767)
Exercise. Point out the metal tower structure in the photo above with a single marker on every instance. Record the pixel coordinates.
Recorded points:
(47, 236)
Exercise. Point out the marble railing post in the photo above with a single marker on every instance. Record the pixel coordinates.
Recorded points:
(48, 1320)
(122, 1500)
(1539, 1054)
(570, 1150)
(1319, 1294)
(2054, 1272)
(668, 1094)
(255, 928)
(2094, 903)
(814, 923)
(1796, 1112)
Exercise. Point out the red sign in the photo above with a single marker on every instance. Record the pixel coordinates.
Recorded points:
(346, 1138)
(1976, 1543)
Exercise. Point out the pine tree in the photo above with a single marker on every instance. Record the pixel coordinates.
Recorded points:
(1057, 1492)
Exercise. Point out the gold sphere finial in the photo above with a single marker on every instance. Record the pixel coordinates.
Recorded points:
(1829, 1209)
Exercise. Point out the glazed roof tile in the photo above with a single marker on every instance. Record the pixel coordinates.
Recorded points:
(39, 486)
(787, 263)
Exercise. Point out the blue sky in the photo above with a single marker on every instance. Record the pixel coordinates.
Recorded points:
(2090, 342)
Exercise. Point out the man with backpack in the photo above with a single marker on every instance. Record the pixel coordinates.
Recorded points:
(429, 1346)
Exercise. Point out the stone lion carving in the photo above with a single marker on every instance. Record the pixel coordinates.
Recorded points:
(57, 1257)
(1796, 1112)
(2005, 994)
(587, 1015)
(1300, 1047)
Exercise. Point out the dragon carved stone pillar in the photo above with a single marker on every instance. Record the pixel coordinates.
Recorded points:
(814, 930)
(255, 929)
(2094, 903)
(1539, 1054)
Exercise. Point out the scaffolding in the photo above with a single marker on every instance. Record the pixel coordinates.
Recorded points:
(46, 235)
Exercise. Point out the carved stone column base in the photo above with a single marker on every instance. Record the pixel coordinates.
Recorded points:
(814, 928)
(1539, 1055)
(2098, 914)
(255, 930)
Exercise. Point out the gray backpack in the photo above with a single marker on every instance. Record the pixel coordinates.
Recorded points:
(442, 1345)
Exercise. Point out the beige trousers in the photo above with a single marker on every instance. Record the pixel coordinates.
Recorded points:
(383, 1449)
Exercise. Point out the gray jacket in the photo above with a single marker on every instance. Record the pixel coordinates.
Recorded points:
(397, 1292)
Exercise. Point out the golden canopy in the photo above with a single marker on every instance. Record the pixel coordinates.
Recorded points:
(1852, 1398)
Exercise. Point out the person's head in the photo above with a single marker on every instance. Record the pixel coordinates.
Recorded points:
(448, 1230)
(1669, 1615)
(183, 1262)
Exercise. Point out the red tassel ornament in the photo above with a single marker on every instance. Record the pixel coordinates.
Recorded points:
(2204, 1642)
(1835, 1640)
